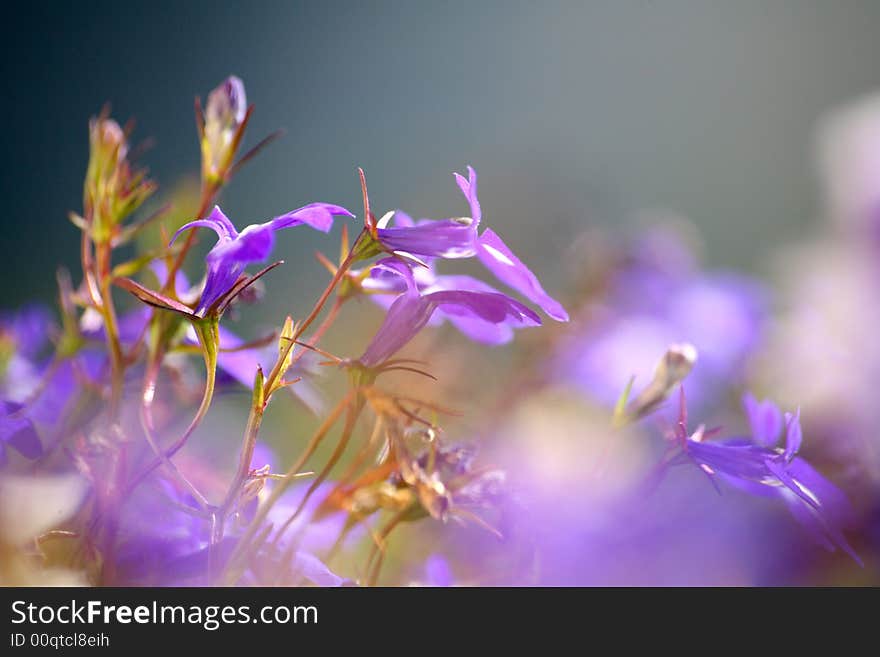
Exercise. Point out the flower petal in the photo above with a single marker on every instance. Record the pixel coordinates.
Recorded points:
(447, 238)
(216, 221)
(317, 215)
(503, 263)
(793, 434)
(765, 420)
(469, 189)
(411, 312)
(18, 432)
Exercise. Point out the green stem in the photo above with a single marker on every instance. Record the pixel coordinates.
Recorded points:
(252, 430)
(207, 331)
(282, 486)
(351, 419)
(146, 416)
(111, 326)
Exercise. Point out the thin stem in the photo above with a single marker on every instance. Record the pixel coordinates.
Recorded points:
(347, 431)
(111, 326)
(146, 417)
(88, 269)
(255, 419)
(379, 547)
(363, 454)
(252, 430)
(208, 338)
(284, 484)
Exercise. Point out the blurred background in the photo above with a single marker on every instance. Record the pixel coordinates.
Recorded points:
(575, 113)
(628, 151)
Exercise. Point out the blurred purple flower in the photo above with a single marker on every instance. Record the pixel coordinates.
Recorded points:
(767, 470)
(412, 310)
(17, 432)
(234, 250)
(765, 420)
(24, 336)
(157, 534)
(656, 298)
(437, 572)
(36, 389)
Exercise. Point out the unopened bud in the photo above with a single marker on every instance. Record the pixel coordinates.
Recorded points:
(676, 364)
(224, 114)
(112, 190)
(285, 344)
(108, 139)
(227, 104)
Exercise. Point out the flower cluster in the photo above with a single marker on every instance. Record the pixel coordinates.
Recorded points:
(112, 471)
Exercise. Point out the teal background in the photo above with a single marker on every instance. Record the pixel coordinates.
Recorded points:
(575, 113)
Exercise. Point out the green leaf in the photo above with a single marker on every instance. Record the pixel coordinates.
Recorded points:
(619, 418)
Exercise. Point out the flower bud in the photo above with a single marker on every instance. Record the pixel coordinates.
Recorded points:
(224, 117)
(676, 364)
(285, 348)
(112, 191)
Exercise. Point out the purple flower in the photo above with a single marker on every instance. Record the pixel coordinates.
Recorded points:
(24, 336)
(412, 311)
(28, 376)
(156, 535)
(460, 238)
(765, 420)
(17, 432)
(234, 250)
(501, 261)
(385, 284)
(437, 572)
(447, 238)
(762, 468)
(657, 297)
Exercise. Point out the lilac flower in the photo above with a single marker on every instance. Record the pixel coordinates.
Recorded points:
(460, 238)
(437, 572)
(235, 358)
(494, 254)
(384, 285)
(28, 376)
(17, 432)
(24, 335)
(655, 297)
(156, 534)
(160, 543)
(446, 238)
(762, 468)
(234, 250)
(765, 420)
(412, 310)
